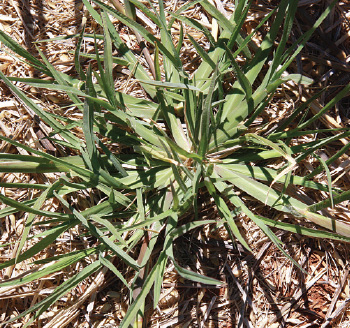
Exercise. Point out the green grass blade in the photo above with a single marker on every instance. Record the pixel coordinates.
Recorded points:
(285, 35)
(329, 178)
(242, 79)
(284, 203)
(116, 60)
(255, 66)
(317, 144)
(108, 264)
(225, 23)
(112, 159)
(205, 117)
(78, 67)
(145, 10)
(182, 9)
(22, 207)
(267, 231)
(45, 116)
(88, 121)
(196, 277)
(53, 234)
(172, 65)
(61, 263)
(21, 185)
(140, 73)
(328, 202)
(60, 78)
(71, 166)
(153, 178)
(195, 187)
(16, 48)
(95, 15)
(267, 174)
(147, 285)
(201, 52)
(297, 228)
(158, 282)
(178, 232)
(28, 225)
(130, 9)
(76, 255)
(157, 64)
(181, 40)
(108, 63)
(196, 25)
(300, 43)
(60, 291)
(327, 107)
(171, 85)
(137, 27)
(329, 161)
(96, 232)
(224, 211)
(110, 227)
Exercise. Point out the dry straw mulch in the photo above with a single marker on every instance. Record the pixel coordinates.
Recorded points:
(262, 289)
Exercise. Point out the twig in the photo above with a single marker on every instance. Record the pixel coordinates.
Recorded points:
(330, 317)
(342, 308)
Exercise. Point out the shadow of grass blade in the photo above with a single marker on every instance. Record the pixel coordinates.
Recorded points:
(205, 57)
(151, 161)
(311, 147)
(233, 128)
(318, 170)
(301, 42)
(60, 78)
(329, 179)
(327, 107)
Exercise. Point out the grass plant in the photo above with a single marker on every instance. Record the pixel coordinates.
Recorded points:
(192, 136)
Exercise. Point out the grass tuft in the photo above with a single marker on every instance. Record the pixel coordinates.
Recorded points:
(194, 136)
